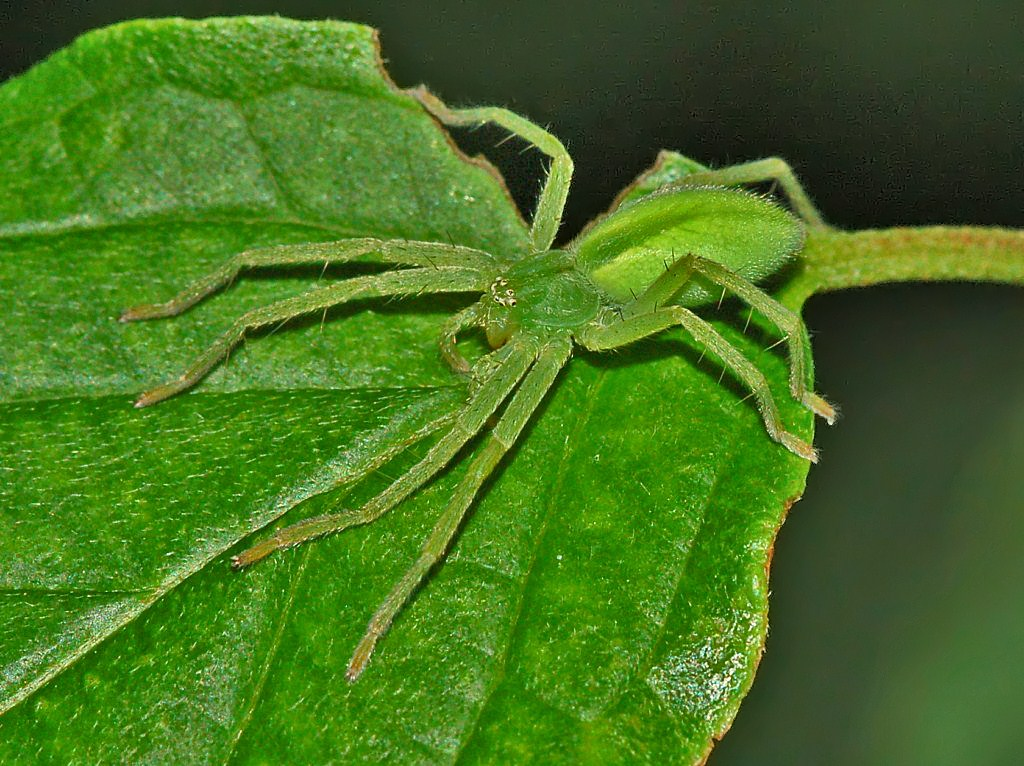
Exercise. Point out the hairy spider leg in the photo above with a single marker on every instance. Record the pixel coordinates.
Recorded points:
(470, 316)
(668, 284)
(501, 438)
(605, 337)
(788, 322)
(663, 290)
(404, 282)
(379, 459)
(548, 216)
(516, 358)
(399, 252)
(773, 169)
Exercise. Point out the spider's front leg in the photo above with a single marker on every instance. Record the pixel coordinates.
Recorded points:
(548, 216)
(393, 252)
(404, 282)
(774, 169)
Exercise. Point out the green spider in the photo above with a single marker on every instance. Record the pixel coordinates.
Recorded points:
(627, 277)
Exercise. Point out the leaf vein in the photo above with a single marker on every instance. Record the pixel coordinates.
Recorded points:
(271, 655)
(560, 474)
(644, 667)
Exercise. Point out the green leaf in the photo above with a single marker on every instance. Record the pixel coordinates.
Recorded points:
(605, 602)
(669, 168)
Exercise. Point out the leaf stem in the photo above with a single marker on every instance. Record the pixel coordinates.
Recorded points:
(835, 260)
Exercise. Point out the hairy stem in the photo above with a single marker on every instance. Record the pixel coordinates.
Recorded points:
(834, 260)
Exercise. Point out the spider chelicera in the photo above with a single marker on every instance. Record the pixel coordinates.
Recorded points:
(631, 275)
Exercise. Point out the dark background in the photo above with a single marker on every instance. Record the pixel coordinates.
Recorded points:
(898, 604)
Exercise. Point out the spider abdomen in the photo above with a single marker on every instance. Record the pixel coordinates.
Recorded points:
(635, 244)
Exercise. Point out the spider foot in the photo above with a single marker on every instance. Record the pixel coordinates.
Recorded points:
(159, 393)
(252, 555)
(148, 311)
(819, 407)
(296, 534)
(798, 446)
(361, 657)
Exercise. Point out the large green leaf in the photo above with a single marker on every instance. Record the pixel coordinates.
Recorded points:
(605, 602)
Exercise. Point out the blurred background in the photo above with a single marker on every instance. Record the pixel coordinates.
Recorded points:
(898, 582)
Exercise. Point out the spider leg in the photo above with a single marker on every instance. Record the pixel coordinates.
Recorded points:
(788, 322)
(468, 317)
(769, 169)
(664, 289)
(396, 251)
(380, 459)
(602, 337)
(515, 360)
(548, 216)
(401, 282)
(502, 437)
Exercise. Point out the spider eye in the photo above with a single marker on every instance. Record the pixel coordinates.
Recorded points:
(502, 294)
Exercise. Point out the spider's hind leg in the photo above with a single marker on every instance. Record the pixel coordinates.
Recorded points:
(667, 286)
(789, 323)
(773, 169)
(604, 337)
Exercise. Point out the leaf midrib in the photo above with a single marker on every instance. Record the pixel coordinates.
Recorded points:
(561, 473)
(45, 229)
(271, 656)
(303, 489)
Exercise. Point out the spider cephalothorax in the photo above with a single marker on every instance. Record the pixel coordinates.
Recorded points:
(636, 272)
